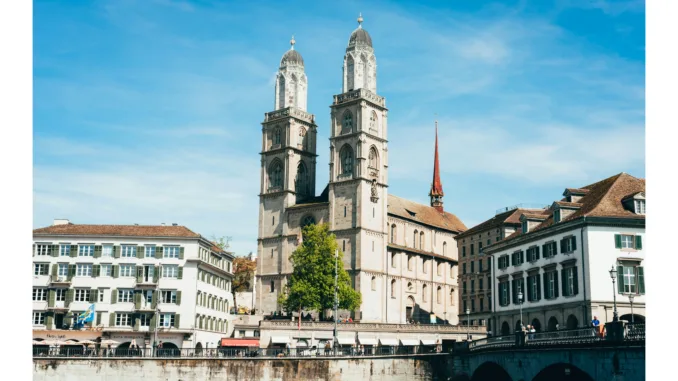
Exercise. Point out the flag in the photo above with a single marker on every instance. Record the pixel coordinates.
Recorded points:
(87, 316)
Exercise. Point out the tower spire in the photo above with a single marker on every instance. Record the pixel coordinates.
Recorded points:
(436, 192)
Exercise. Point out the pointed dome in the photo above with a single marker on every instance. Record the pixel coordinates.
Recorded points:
(360, 36)
(291, 56)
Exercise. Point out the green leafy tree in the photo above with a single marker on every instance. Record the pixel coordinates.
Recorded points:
(243, 276)
(311, 285)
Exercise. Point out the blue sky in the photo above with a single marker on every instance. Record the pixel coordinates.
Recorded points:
(149, 111)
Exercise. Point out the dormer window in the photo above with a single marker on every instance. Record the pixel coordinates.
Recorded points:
(524, 226)
(556, 216)
(640, 206)
(635, 203)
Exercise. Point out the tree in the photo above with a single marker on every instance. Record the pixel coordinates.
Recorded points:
(243, 276)
(222, 242)
(311, 285)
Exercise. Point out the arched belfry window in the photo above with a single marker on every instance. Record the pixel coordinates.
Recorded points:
(346, 155)
(303, 141)
(350, 66)
(374, 122)
(275, 173)
(373, 158)
(276, 135)
(347, 122)
(301, 181)
(281, 92)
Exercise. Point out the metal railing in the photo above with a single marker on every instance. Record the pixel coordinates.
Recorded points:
(346, 351)
(571, 336)
(635, 332)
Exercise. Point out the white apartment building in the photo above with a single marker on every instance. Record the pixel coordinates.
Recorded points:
(561, 258)
(144, 281)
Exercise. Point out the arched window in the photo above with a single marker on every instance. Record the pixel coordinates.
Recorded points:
(409, 286)
(421, 241)
(307, 220)
(347, 122)
(301, 182)
(410, 262)
(374, 283)
(393, 288)
(451, 297)
(346, 155)
(303, 141)
(393, 233)
(272, 286)
(373, 158)
(275, 174)
(415, 238)
(444, 248)
(276, 135)
(424, 292)
(374, 122)
(439, 295)
(349, 73)
(363, 62)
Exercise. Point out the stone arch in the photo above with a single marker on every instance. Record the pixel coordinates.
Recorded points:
(421, 240)
(307, 220)
(365, 73)
(536, 324)
(275, 174)
(410, 305)
(281, 92)
(490, 371)
(552, 324)
(415, 237)
(505, 328)
(439, 295)
(562, 372)
(198, 348)
(294, 90)
(444, 248)
(373, 158)
(572, 322)
(636, 318)
(346, 160)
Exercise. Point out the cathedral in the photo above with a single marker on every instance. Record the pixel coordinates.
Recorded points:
(401, 255)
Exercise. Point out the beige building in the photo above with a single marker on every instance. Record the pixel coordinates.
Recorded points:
(475, 281)
(398, 253)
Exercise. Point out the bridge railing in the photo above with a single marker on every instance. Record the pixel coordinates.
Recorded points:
(635, 331)
(581, 335)
(493, 342)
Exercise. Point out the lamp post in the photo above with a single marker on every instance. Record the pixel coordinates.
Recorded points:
(336, 301)
(468, 325)
(613, 275)
(631, 300)
(520, 303)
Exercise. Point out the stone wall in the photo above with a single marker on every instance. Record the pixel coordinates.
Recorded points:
(426, 367)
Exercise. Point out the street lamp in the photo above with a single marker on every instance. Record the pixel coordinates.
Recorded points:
(613, 275)
(520, 303)
(468, 325)
(631, 300)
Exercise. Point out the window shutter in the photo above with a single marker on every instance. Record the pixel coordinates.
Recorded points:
(514, 293)
(555, 248)
(153, 323)
(529, 291)
(69, 297)
(154, 299)
(55, 250)
(71, 271)
(137, 300)
(158, 252)
(140, 274)
(620, 279)
(156, 273)
(574, 243)
(111, 319)
(639, 242)
(562, 245)
(96, 270)
(641, 280)
(68, 319)
(563, 281)
(55, 269)
(74, 251)
(34, 250)
(97, 251)
(575, 279)
(93, 293)
(536, 251)
(522, 256)
(617, 241)
(543, 247)
(140, 251)
(116, 271)
(99, 318)
(178, 297)
(176, 321)
(114, 296)
(181, 252)
(116, 251)
(49, 320)
(555, 284)
(538, 287)
(137, 322)
(181, 272)
(51, 298)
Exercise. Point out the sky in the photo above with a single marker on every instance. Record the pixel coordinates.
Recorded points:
(150, 111)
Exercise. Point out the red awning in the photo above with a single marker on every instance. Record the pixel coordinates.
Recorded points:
(227, 342)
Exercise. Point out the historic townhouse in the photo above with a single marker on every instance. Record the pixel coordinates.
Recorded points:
(475, 281)
(562, 258)
(142, 280)
(400, 254)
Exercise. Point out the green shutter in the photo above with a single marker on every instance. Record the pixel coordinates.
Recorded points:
(181, 253)
(639, 242)
(55, 269)
(620, 279)
(522, 256)
(114, 296)
(153, 323)
(555, 284)
(641, 280)
(562, 245)
(34, 250)
(98, 318)
(156, 274)
(116, 251)
(140, 274)
(93, 293)
(68, 319)
(96, 270)
(574, 243)
(536, 251)
(137, 300)
(154, 299)
(111, 319)
(575, 280)
(51, 298)
(555, 248)
(70, 294)
(55, 250)
(137, 322)
(563, 280)
(140, 252)
(50, 321)
(617, 241)
(116, 271)
(97, 251)
(74, 251)
(546, 290)
(181, 272)
(538, 279)
(178, 297)
(158, 252)
(71, 271)
(176, 321)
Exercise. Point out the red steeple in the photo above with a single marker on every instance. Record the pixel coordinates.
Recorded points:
(436, 192)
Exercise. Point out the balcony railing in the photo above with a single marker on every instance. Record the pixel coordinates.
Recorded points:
(59, 280)
(360, 327)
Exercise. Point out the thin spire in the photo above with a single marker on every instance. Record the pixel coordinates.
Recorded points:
(292, 42)
(436, 192)
(360, 20)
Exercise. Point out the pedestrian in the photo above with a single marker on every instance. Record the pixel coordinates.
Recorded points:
(532, 332)
(350, 320)
(327, 348)
(287, 349)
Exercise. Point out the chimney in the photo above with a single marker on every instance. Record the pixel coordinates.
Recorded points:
(61, 221)
(175, 224)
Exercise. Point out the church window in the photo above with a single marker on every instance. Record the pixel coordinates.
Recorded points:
(275, 174)
(344, 210)
(421, 241)
(444, 248)
(393, 288)
(373, 121)
(393, 233)
(271, 253)
(373, 158)
(343, 246)
(393, 260)
(273, 220)
(410, 262)
(276, 135)
(302, 183)
(414, 239)
(373, 246)
(439, 295)
(374, 283)
(303, 141)
(423, 292)
(308, 220)
(346, 160)
(347, 122)
(373, 213)
(272, 286)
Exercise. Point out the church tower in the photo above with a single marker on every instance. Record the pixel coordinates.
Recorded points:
(436, 194)
(358, 171)
(288, 161)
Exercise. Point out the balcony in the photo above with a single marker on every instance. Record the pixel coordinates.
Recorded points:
(146, 283)
(55, 280)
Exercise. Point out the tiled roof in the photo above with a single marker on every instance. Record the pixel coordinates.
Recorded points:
(569, 204)
(602, 199)
(428, 215)
(576, 190)
(511, 217)
(540, 215)
(118, 230)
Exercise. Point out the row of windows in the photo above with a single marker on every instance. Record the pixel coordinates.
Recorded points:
(418, 241)
(93, 295)
(67, 271)
(549, 249)
(424, 291)
(411, 259)
(480, 266)
(125, 251)
(211, 323)
(214, 280)
(473, 285)
(347, 122)
(480, 246)
(481, 305)
(124, 319)
(207, 256)
(212, 302)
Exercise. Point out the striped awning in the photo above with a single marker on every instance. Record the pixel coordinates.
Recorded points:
(367, 340)
(409, 342)
(388, 341)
